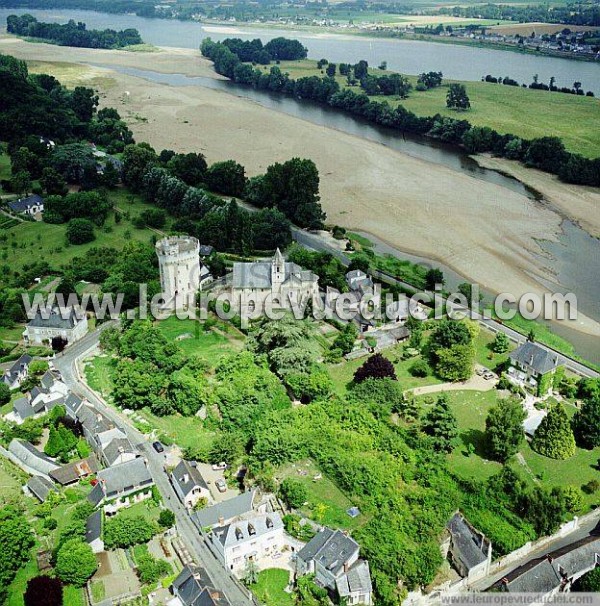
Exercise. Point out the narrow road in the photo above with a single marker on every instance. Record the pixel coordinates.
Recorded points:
(66, 364)
(314, 242)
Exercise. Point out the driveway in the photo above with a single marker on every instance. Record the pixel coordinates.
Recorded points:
(475, 383)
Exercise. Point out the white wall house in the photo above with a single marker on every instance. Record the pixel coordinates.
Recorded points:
(189, 483)
(68, 323)
(254, 539)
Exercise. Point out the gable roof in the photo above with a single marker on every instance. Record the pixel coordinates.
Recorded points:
(249, 529)
(356, 580)
(73, 403)
(538, 358)
(30, 456)
(40, 487)
(125, 476)
(115, 448)
(93, 527)
(468, 545)
(15, 370)
(258, 273)
(96, 496)
(330, 549)
(71, 472)
(22, 408)
(194, 588)
(187, 476)
(58, 318)
(227, 510)
(23, 204)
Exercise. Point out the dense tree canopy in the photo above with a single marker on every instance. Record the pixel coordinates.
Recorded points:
(75, 562)
(504, 429)
(554, 436)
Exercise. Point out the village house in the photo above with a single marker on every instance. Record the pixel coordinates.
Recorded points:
(30, 459)
(40, 487)
(73, 472)
(124, 485)
(535, 367)
(66, 323)
(333, 557)
(93, 532)
(17, 373)
(281, 282)
(225, 512)
(114, 447)
(189, 483)
(468, 550)
(193, 587)
(252, 540)
(31, 205)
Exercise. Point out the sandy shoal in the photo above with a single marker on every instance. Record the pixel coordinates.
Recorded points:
(485, 232)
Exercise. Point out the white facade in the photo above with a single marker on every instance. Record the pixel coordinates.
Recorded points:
(179, 266)
(254, 539)
(59, 323)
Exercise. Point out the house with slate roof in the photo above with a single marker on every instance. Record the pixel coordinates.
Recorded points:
(41, 399)
(535, 367)
(333, 557)
(554, 573)
(93, 532)
(250, 540)
(17, 373)
(31, 205)
(40, 487)
(225, 512)
(469, 551)
(281, 282)
(30, 459)
(73, 472)
(114, 447)
(125, 484)
(193, 587)
(67, 323)
(189, 483)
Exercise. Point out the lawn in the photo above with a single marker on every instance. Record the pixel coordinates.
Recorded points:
(98, 374)
(483, 352)
(343, 372)
(11, 480)
(222, 339)
(327, 504)
(508, 109)
(32, 241)
(269, 588)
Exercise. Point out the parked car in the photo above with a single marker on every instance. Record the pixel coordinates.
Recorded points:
(221, 485)
(489, 375)
(158, 446)
(481, 370)
(219, 466)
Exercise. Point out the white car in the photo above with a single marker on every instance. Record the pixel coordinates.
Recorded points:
(221, 485)
(219, 466)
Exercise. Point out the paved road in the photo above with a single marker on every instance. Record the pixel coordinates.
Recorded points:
(66, 364)
(315, 242)
(587, 528)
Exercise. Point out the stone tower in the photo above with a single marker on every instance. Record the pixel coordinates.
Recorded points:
(179, 266)
(277, 270)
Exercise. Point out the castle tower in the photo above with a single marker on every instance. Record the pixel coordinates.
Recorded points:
(277, 270)
(179, 266)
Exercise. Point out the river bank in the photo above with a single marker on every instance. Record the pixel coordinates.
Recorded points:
(483, 231)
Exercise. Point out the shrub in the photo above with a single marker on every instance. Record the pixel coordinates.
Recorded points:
(80, 231)
(376, 367)
(420, 368)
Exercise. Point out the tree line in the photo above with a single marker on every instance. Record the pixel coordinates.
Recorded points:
(537, 85)
(545, 153)
(71, 33)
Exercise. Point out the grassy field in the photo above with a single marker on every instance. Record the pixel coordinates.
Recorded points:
(342, 373)
(327, 504)
(507, 109)
(223, 338)
(36, 241)
(269, 588)
(471, 409)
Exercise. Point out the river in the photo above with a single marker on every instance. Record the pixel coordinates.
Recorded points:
(568, 259)
(457, 62)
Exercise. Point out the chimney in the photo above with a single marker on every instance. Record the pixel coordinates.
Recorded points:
(531, 360)
(221, 521)
(346, 567)
(186, 478)
(121, 450)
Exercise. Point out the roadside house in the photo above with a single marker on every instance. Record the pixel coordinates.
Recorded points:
(333, 557)
(67, 323)
(469, 550)
(17, 373)
(535, 367)
(225, 512)
(189, 483)
(193, 587)
(125, 484)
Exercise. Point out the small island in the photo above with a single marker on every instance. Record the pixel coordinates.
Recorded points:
(71, 33)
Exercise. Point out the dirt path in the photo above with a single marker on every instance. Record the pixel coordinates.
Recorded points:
(475, 383)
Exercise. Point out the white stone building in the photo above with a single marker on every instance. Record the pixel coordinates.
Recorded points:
(251, 540)
(69, 323)
(179, 266)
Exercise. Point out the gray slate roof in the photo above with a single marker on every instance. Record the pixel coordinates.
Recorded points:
(125, 476)
(73, 404)
(24, 204)
(356, 580)
(246, 530)
(187, 476)
(29, 455)
(331, 549)
(466, 543)
(96, 495)
(194, 588)
(71, 472)
(23, 408)
(93, 527)
(537, 358)
(542, 575)
(63, 319)
(232, 508)
(115, 448)
(40, 487)
(258, 274)
(13, 372)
